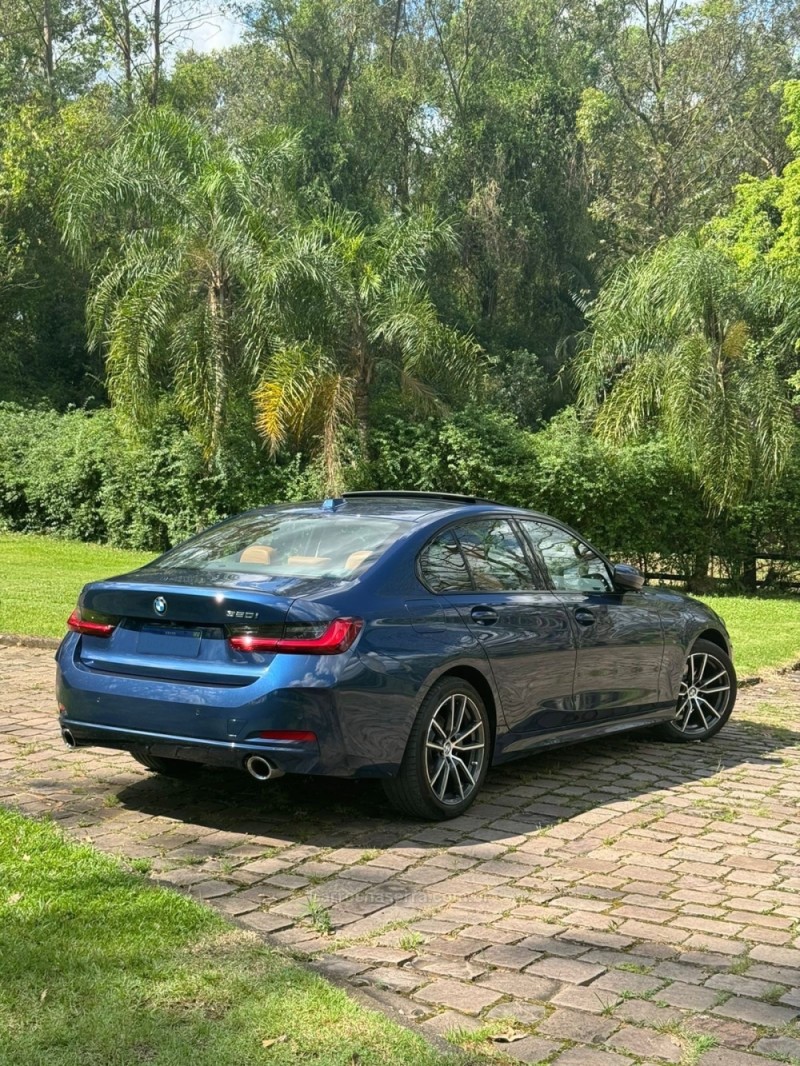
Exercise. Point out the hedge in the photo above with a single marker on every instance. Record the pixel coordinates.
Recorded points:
(79, 475)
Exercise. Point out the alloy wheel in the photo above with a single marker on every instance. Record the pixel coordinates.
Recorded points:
(455, 749)
(704, 694)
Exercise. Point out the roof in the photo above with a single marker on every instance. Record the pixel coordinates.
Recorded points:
(401, 505)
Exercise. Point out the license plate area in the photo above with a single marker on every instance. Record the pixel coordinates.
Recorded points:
(169, 641)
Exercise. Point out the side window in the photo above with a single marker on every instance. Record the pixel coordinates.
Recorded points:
(572, 565)
(442, 565)
(495, 556)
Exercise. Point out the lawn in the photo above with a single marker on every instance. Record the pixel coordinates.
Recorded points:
(98, 968)
(765, 630)
(40, 579)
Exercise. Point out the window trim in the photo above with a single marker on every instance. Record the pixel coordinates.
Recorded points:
(572, 533)
(530, 558)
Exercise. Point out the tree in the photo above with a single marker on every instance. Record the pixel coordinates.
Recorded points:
(180, 233)
(506, 165)
(50, 50)
(764, 219)
(681, 106)
(361, 318)
(43, 351)
(684, 342)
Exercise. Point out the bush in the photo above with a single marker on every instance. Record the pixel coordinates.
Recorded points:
(636, 502)
(76, 475)
(476, 451)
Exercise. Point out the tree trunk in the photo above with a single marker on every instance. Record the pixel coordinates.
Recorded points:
(362, 414)
(156, 84)
(48, 55)
(127, 56)
(698, 579)
(218, 313)
(749, 580)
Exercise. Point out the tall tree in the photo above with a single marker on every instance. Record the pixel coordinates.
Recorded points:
(50, 50)
(177, 228)
(364, 320)
(506, 164)
(43, 352)
(682, 105)
(684, 342)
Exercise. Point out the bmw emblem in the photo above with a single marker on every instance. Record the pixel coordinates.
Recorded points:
(159, 605)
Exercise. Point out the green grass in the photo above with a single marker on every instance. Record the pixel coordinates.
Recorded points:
(765, 630)
(40, 578)
(98, 968)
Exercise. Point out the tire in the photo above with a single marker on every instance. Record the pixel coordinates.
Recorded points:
(166, 767)
(706, 697)
(437, 787)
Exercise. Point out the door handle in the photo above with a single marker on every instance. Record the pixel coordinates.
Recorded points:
(484, 616)
(584, 617)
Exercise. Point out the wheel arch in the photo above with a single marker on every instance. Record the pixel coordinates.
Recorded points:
(713, 636)
(481, 684)
(479, 680)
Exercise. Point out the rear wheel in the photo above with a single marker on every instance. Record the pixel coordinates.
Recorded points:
(167, 767)
(706, 696)
(447, 755)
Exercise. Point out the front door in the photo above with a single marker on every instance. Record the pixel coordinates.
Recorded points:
(619, 634)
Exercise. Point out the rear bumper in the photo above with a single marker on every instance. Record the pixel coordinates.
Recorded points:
(207, 723)
(291, 758)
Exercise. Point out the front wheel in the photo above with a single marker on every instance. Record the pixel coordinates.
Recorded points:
(167, 767)
(447, 755)
(706, 696)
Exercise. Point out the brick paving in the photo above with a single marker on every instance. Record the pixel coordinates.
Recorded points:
(617, 903)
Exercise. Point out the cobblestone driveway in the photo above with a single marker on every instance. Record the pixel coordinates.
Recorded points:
(615, 903)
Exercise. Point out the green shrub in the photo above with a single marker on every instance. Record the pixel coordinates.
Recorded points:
(76, 475)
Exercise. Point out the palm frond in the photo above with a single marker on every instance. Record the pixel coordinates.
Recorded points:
(683, 341)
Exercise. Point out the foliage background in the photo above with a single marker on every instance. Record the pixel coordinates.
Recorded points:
(248, 207)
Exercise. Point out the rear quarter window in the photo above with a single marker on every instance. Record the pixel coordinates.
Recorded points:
(442, 565)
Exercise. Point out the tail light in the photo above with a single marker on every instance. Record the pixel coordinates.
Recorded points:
(90, 623)
(331, 638)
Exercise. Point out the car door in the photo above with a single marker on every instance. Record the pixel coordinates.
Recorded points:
(523, 627)
(619, 634)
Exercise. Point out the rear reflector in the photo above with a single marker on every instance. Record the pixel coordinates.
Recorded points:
(297, 735)
(336, 638)
(90, 624)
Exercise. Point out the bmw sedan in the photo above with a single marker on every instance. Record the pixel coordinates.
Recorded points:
(414, 637)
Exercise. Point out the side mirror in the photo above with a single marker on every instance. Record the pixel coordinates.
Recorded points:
(628, 577)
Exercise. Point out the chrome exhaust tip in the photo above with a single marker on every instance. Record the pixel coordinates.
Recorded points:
(260, 768)
(68, 739)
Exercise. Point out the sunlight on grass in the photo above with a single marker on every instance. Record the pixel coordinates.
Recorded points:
(99, 968)
(765, 631)
(40, 578)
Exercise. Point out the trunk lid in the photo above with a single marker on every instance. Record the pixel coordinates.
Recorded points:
(173, 626)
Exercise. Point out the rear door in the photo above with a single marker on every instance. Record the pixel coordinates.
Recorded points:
(523, 627)
(619, 634)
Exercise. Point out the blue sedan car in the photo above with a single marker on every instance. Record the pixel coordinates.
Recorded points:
(414, 637)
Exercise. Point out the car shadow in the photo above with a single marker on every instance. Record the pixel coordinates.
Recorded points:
(519, 797)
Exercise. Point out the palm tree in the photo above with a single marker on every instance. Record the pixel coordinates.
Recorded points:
(684, 342)
(183, 236)
(361, 316)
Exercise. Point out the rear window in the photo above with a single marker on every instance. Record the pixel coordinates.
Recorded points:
(285, 544)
